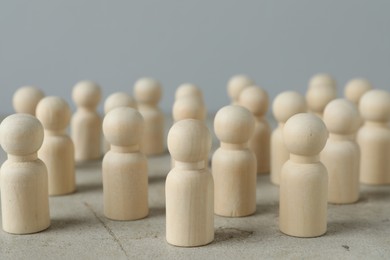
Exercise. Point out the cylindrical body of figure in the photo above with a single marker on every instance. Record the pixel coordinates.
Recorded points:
(24, 197)
(234, 173)
(125, 185)
(374, 142)
(303, 199)
(189, 206)
(341, 158)
(279, 154)
(152, 142)
(86, 135)
(57, 152)
(260, 144)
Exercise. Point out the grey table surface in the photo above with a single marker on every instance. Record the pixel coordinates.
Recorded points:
(79, 229)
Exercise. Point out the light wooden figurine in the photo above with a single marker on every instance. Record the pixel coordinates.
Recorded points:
(117, 99)
(86, 122)
(188, 90)
(285, 105)
(147, 93)
(355, 89)
(57, 150)
(322, 89)
(304, 179)
(189, 187)
(234, 164)
(256, 101)
(187, 108)
(341, 155)
(374, 137)
(124, 168)
(24, 183)
(26, 99)
(235, 85)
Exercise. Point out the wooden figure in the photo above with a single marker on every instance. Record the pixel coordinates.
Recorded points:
(86, 122)
(189, 188)
(235, 85)
(355, 89)
(57, 150)
(374, 137)
(26, 99)
(124, 168)
(188, 90)
(188, 107)
(148, 93)
(322, 89)
(285, 105)
(24, 183)
(341, 155)
(256, 101)
(117, 99)
(304, 179)
(234, 164)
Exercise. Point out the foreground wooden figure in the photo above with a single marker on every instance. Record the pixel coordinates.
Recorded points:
(189, 188)
(86, 123)
(304, 179)
(24, 184)
(234, 164)
(124, 168)
(57, 150)
(285, 105)
(341, 155)
(374, 137)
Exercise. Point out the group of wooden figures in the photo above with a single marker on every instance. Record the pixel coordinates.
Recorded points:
(320, 151)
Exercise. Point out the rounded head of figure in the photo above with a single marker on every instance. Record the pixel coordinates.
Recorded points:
(234, 124)
(188, 107)
(287, 104)
(123, 126)
(147, 90)
(341, 117)
(375, 105)
(189, 141)
(236, 84)
(86, 94)
(318, 96)
(54, 113)
(255, 99)
(26, 99)
(119, 99)
(21, 134)
(188, 90)
(305, 134)
(355, 89)
(322, 79)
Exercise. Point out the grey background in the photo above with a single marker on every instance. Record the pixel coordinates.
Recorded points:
(54, 44)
